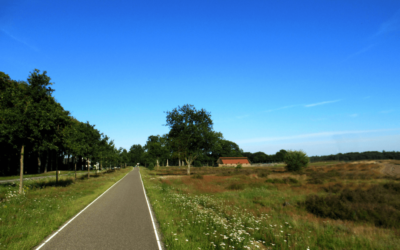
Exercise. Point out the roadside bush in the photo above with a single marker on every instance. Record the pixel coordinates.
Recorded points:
(296, 160)
(151, 166)
(239, 166)
(379, 204)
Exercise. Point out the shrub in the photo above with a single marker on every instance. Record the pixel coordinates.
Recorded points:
(283, 181)
(315, 180)
(296, 160)
(239, 166)
(263, 174)
(151, 166)
(379, 205)
(236, 186)
(197, 176)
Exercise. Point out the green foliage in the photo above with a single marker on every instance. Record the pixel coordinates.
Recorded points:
(151, 166)
(379, 205)
(197, 176)
(239, 166)
(31, 118)
(136, 154)
(197, 164)
(296, 160)
(191, 132)
(236, 186)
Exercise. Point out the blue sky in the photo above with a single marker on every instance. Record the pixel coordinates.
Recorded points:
(321, 76)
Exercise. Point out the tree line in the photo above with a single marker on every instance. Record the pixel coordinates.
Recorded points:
(356, 156)
(37, 135)
(192, 141)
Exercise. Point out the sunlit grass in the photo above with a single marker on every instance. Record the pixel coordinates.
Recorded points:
(50, 173)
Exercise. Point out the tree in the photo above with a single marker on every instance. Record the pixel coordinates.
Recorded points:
(136, 154)
(191, 132)
(225, 148)
(26, 112)
(279, 156)
(157, 149)
(296, 160)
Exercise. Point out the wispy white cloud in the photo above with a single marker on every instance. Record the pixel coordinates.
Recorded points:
(362, 51)
(390, 25)
(353, 115)
(285, 107)
(314, 135)
(320, 103)
(18, 40)
(387, 111)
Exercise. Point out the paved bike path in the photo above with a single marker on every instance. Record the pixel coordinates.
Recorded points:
(120, 219)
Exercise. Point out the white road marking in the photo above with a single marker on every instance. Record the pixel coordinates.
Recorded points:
(152, 220)
(79, 214)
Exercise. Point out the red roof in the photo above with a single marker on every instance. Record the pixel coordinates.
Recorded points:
(234, 160)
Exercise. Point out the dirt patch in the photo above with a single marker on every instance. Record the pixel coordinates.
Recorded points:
(288, 175)
(171, 176)
(391, 170)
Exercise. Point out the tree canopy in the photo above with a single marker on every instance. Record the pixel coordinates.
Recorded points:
(35, 126)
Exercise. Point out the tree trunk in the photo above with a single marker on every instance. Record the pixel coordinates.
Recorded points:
(167, 162)
(47, 162)
(39, 163)
(88, 169)
(56, 168)
(51, 160)
(75, 168)
(189, 162)
(21, 171)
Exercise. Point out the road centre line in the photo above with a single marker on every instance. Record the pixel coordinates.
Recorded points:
(79, 213)
(152, 220)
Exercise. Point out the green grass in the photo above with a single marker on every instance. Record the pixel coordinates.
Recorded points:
(25, 220)
(244, 211)
(50, 173)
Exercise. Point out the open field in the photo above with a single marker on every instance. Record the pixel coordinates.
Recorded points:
(25, 220)
(269, 208)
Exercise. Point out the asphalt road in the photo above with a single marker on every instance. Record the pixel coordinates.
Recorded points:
(119, 219)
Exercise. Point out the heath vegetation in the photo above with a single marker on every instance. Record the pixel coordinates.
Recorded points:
(331, 205)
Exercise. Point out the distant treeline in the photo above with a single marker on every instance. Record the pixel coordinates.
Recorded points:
(355, 156)
(261, 157)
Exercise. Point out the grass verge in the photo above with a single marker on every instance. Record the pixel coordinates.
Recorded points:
(50, 173)
(25, 220)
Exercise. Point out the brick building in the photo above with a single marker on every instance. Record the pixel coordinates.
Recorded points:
(233, 161)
